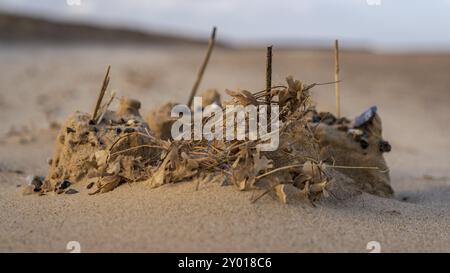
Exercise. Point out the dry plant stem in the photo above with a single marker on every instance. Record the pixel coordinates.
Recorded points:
(268, 74)
(102, 93)
(328, 166)
(277, 170)
(336, 79)
(138, 147)
(212, 41)
(113, 95)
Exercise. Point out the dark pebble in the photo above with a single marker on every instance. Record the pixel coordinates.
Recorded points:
(327, 118)
(129, 130)
(118, 131)
(316, 119)
(91, 122)
(364, 142)
(63, 185)
(37, 182)
(90, 185)
(385, 147)
(70, 130)
(71, 191)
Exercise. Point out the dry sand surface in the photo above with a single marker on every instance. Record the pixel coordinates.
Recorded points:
(40, 85)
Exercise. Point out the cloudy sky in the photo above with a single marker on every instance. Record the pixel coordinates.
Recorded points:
(380, 24)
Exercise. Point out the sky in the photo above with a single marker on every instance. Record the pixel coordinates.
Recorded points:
(377, 24)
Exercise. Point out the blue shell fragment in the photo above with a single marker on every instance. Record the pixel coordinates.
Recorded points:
(365, 117)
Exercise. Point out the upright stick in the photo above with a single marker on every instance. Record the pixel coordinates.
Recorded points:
(102, 93)
(268, 74)
(336, 79)
(211, 42)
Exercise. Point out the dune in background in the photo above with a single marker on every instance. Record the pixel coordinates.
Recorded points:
(22, 28)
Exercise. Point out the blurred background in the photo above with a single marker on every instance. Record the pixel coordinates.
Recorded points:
(373, 24)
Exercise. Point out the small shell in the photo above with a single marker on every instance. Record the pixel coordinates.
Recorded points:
(131, 122)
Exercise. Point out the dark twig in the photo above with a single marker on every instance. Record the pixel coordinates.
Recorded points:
(268, 74)
(336, 79)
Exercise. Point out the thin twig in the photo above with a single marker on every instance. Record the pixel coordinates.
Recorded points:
(277, 170)
(261, 195)
(102, 93)
(211, 43)
(336, 79)
(138, 147)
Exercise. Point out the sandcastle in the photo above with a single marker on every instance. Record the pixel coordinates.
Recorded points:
(318, 155)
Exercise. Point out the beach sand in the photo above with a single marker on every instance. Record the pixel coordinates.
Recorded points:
(43, 84)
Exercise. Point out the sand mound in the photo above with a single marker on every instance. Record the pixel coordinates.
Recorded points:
(343, 144)
(86, 149)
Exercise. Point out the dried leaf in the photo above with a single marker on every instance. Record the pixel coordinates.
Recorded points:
(261, 164)
(106, 184)
(243, 97)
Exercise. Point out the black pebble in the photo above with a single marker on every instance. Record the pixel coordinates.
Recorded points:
(118, 130)
(363, 142)
(316, 119)
(63, 185)
(129, 130)
(37, 182)
(90, 185)
(385, 147)
(71, 191)
(91, 122)
(70, 130)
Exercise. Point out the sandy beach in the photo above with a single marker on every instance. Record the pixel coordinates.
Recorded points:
(40, 85)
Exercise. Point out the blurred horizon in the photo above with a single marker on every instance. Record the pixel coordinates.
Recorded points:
(380, 25)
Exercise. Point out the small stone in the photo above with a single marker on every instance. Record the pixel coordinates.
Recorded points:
(385, 147)
(62, 185)
(35, 181)
(118, 130)
(129, 130)
(90, 185)
(364, 142)
(327, 118)
(315, 118)
(71, 191)
(70, 130)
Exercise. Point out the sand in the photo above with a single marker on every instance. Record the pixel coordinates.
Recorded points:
(43, 84)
